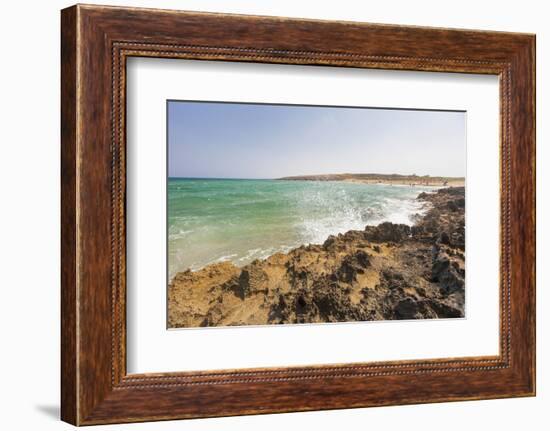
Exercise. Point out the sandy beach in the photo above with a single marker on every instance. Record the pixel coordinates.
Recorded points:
(386, 179)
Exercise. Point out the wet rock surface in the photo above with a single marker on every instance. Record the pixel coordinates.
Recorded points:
(385, 272)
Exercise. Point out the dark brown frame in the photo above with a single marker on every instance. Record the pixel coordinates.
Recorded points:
(95, 43)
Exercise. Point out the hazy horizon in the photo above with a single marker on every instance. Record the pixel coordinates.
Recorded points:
(211, 140)
(316, 174)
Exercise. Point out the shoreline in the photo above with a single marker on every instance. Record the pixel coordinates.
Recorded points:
(435, 184)
(346, 270)
(421, 213)
(374, 179)
(383, 179)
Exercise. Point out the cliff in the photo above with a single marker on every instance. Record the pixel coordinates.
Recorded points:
(384, 272)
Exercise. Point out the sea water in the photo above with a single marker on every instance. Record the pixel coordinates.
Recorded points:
(215, 220)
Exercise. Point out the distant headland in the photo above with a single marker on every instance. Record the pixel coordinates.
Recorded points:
(390, 179)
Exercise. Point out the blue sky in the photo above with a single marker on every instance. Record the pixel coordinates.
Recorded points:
(227, 140)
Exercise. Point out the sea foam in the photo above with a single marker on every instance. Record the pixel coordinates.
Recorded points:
(243, 220)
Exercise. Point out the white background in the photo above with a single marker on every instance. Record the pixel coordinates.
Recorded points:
(151, 348)
(29, 227)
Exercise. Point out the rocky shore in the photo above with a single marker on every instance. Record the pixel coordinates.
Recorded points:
(385, 272)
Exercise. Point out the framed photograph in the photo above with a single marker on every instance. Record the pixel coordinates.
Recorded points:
(264, 214)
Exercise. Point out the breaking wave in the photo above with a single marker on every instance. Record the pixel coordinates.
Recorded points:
(243, 220)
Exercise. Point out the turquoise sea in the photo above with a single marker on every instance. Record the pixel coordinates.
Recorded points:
(212, 220)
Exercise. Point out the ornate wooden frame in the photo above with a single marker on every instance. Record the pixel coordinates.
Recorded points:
(95, 42)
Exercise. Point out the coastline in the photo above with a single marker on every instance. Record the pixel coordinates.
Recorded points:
(429, 183)
(384, 272)
(240, 220)
(383, 179)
